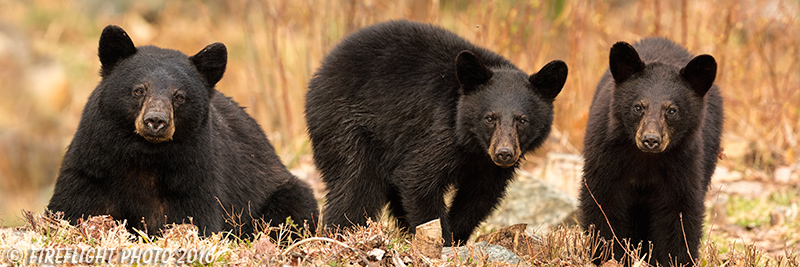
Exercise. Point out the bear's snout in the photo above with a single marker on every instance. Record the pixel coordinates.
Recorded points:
(652, 137)
(155, 121)
(651, 141)
(504, 155)
(504, 148)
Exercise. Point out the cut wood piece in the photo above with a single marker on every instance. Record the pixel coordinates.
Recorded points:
(428, 239)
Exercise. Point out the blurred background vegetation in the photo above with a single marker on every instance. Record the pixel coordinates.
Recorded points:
(49, 65)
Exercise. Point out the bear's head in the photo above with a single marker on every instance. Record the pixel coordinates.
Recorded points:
(658, 104)
(160, 94)
(505, 110)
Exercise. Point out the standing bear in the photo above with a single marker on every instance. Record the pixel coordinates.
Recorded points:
(400, 111)
(651, 146)
(158, 144)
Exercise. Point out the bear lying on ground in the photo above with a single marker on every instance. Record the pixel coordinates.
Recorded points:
(158, 144)
(651, 146)
(400, 111)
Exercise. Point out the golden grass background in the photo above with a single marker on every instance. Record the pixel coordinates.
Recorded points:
(48, 64)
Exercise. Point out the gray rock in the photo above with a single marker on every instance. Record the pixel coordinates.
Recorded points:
(534, 202)
(725, 175)
(484, 250)
(564, 172)
(786, 174)
(744, 188)
(736, 147)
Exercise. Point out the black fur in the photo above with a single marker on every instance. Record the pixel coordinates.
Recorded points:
(399, 111)
(217, 156)
(659, 88)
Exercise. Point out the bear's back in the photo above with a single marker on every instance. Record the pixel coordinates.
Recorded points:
(662, 50)
(242, 151)
(396, 71)
(396, 51)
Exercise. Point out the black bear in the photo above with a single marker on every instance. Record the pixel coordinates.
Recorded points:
(157, 143)
(400, 111)
(651, 146)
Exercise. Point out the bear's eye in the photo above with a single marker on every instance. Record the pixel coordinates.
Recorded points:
(138, 91)
(523, 121)
(179, 97)
(638, 108)
(489, 119)
(672, 111)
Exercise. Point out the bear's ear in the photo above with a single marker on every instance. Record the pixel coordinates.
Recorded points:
(623, 61)
(700, 72)
(115, 45)
(550, 79)
(211, 62)
(470, 71)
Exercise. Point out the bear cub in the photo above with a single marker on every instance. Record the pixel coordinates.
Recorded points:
(400, 111)
(651, 146)
(158, 144)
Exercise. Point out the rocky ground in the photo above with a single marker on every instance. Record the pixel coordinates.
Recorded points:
(745, 207)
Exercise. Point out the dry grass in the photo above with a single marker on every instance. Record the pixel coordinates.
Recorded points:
(562, 247)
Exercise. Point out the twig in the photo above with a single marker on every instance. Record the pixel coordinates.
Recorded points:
(311, 239)
(713, 221)
(686, 242)
(657, 17)
(614, 235)
(232, 218)
(684, 22)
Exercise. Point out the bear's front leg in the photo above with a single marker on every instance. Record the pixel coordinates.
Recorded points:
(79, 196)
(207, 214)
(673, 219)
(205, 204)
(476, 197)
(423, 199)
(610, 216)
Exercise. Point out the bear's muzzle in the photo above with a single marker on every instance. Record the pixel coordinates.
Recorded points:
(154, 122)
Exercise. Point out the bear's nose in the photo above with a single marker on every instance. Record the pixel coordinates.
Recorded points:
(156, 121)
(503, 154)
(651, 141)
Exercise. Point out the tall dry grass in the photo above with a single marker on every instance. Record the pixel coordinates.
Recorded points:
(48, 63)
